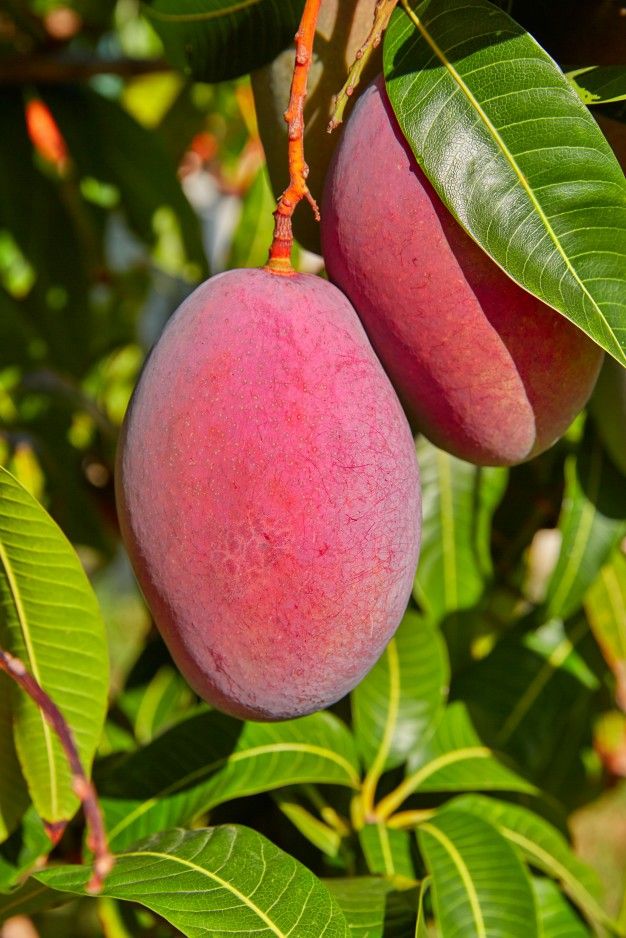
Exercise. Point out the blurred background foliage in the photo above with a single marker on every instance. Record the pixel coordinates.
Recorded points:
(122, 185)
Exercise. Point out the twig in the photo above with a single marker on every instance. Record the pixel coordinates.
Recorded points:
(82, 786)
(279, 260)
(382, 15)
(55, 69)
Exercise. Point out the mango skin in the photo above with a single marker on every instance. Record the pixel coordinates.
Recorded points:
(268, 494)
(342, 27)
(484, 369)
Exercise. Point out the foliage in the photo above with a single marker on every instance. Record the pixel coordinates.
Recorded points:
(438, 798)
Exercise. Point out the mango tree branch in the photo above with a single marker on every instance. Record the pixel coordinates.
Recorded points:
(279, 260)
(382, 15)
(83, 787)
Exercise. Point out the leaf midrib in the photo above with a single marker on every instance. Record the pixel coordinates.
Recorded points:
(464, 873)
(200, 16)
(32, 660)
(463, 87)
(181, 783)
(218, 879)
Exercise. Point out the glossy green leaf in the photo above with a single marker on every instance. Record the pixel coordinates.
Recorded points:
(480, 887)
(373, 909)
(216, 39)
(49, 618)
(530, 696)
(593, 518)
(398, 701)
(13, 791)
(322, 836)
(605, 605)
(544, 847)
(454, 759)
(387, 851)
(557, 919)
(218, 880)
(210, 758)
(458, 502)
(599, 84)
(516, 156)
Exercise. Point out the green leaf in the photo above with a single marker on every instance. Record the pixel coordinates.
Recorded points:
(421, 926)
(398, 701)
(592, 520)
(211, 758)
(217, 880)
(543, 846)
(458, 502)
(515, 154)
(13, 791)
(557, 919)
(387, 851)
(49, 618)
(212, 40)
(599, 84)
(454, 759)
(322, 836)
(480, 886)
(530, 696)
(372, 908)
(605, 605)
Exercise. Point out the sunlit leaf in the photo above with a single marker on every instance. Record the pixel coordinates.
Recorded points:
(544, 847)
(516, 156)
(458, 501)
(217, 880)
(50, 619)
(605, 605)
(480, 886)
(211, 758)
(373, 909)
(557, 919)
(397, 702)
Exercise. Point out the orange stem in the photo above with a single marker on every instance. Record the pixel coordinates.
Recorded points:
(279, 260)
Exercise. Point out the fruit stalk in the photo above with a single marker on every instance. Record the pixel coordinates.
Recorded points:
(382, 15)
(279, 260)
(83, 787)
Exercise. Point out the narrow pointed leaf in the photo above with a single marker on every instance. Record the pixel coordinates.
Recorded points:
(456, 759)
(530, 696)
(480, 886)
(398, 701)
(387, 851)
(373, 909)
(599, 84)
(557, 919)
(212, 40)
(210, 758)
(22, 850)
(458, 502)
(516, 156)
(544, 847)
(592, 520)
(49, 618)
(217, 881)
(605, 605)
(322, 836)
(421, 926)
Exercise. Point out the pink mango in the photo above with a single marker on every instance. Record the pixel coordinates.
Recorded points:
(268, 494)
(484, 369)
